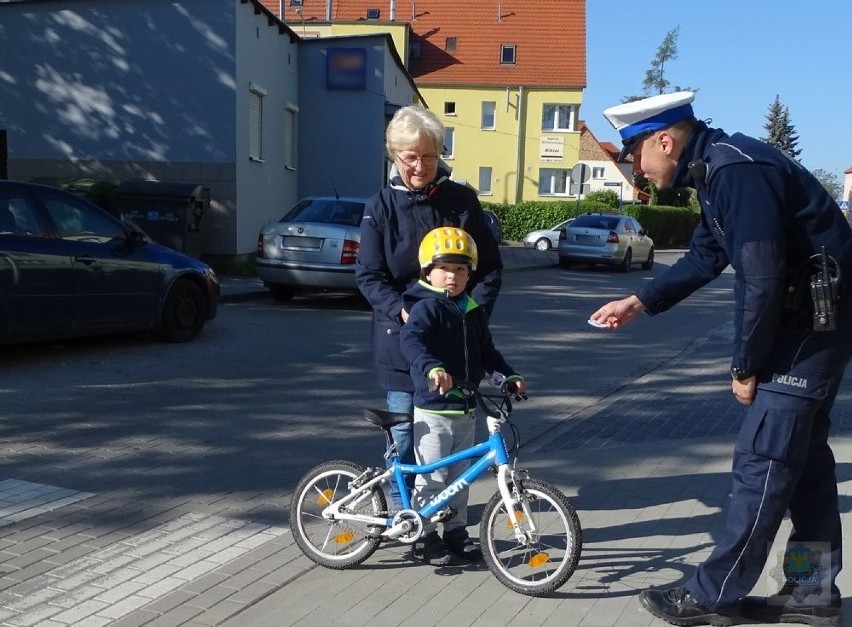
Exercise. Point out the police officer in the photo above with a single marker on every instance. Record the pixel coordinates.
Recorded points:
(791, 250)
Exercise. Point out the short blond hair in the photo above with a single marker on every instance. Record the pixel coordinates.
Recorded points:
(411, 124)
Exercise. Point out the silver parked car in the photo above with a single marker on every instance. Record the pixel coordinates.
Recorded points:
(313, 247)
(545, 239)
(615, 240)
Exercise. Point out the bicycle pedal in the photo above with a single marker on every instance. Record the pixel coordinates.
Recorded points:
(445, 514)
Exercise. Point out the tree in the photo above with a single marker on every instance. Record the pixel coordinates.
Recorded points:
(655, 81)
(655, 77)
(831, 182)
(780, 132)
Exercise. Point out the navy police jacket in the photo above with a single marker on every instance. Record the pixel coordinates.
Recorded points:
(451, 334)
(395, 221)
(763, 214)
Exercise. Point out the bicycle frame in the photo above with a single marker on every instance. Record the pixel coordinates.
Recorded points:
(491, 453)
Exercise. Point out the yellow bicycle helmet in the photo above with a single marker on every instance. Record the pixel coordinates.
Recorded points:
(447, 244)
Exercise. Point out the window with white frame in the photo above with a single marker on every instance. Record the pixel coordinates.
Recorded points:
(449, 108)
(290, 136)
(597, 173)
(553, 182)
(449, 142)
(489, 115)
(557, 117)
(507, 54)
(485, 180)
(255, 102)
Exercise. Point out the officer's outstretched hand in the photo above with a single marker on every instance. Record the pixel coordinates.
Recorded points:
(617, 313)
(744, 390)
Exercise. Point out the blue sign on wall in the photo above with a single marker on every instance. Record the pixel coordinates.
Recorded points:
(346, 68)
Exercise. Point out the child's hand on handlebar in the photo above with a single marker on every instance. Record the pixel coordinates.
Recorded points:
(517, 387)
(441, 381)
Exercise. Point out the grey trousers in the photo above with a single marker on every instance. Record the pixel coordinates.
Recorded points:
(436, 436)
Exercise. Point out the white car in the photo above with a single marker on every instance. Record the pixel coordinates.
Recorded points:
(545, 239)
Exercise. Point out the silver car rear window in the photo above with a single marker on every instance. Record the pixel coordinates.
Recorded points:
(326, 211)
(595, 222)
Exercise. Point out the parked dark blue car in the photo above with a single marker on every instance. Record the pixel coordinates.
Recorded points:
(69, 268)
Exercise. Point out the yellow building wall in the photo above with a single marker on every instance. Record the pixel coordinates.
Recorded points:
(517, 113)
(474, 146)
(562, 147)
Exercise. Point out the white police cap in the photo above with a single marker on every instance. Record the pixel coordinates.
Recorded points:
(634, 119)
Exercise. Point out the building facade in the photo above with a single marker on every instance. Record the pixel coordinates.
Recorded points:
(218, 93)
(506, 77)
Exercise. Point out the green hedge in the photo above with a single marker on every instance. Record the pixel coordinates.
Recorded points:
(670, 227)
(518, 220)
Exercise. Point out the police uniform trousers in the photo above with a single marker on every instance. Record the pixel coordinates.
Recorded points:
(782, 461)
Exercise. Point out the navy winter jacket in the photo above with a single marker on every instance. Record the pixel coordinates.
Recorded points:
(395, 221)
(447, 333)
(763, 214)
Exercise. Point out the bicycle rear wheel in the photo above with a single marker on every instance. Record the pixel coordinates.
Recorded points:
(336, 544)
(549, 558)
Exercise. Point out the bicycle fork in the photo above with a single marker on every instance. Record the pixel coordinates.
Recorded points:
(513, 497)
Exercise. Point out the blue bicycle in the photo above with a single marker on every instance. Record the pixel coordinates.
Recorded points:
(530, 533)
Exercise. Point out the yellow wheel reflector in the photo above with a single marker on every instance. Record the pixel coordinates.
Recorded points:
(519, 517)
(325, 498)
(344, 538)
(540, 559)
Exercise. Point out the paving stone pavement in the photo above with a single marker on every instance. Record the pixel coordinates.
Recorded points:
(647, 468)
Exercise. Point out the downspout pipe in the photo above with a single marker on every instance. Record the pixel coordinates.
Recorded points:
(519, 153)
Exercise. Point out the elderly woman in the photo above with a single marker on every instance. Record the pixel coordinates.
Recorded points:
(418, 198)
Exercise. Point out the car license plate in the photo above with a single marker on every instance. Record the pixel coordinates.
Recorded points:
(291, 242)
(586, 239)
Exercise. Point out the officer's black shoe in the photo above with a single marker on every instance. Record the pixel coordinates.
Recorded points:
(784, 608)
(677, 607)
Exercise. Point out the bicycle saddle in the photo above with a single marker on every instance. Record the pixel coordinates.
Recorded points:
(383, 418)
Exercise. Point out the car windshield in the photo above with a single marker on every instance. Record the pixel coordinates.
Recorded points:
(595, 222)
(326, 211)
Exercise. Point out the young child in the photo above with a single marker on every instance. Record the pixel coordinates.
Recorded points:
(446, 337)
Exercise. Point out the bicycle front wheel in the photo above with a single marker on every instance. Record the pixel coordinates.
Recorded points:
(548, 557)
(336, 544)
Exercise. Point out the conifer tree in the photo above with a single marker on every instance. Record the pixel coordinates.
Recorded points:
(780, 132)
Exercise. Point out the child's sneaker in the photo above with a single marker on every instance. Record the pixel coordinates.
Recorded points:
(462, 545)
(432, 550)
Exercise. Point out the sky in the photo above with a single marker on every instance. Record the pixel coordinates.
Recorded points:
(737, 55)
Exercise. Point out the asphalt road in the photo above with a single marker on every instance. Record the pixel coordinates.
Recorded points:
(270, 388)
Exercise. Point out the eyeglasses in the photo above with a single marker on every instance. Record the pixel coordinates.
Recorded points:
(425, 160)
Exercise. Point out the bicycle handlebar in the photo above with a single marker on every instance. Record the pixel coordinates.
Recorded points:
(508, 392)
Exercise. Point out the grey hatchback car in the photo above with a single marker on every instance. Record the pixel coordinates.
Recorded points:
(313, 247)
(615, 240)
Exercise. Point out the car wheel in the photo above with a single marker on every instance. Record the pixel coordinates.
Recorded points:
(542, 244)
(564, 262)
(184, 312)
(625, 263)
(282, 293)
(650, 263)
